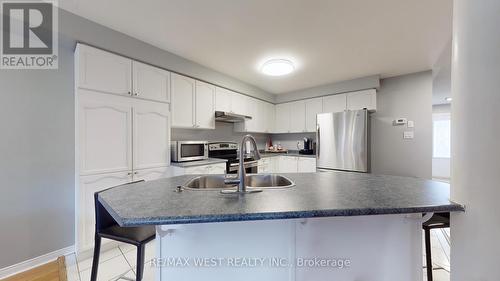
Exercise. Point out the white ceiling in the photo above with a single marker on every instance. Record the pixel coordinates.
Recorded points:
(329, 40)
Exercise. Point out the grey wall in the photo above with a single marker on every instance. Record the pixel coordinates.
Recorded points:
(441, 76)
(37, 143)
(363, 83)
(408, 96)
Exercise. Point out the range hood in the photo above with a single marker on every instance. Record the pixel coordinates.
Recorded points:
(229, 117)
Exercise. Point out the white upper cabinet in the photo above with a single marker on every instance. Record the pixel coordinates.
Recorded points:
(223, 99)
(268, 117)
(313, 108)
(334, 103)
(150, 82)
(205, 105)
(297, 117)
(183, 95)
(366, 99)
(282, 118)
(151, 140)
(239, 104)
(103, 71)
(104, 133)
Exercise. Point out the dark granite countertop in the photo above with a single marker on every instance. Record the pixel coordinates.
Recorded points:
(315, 195)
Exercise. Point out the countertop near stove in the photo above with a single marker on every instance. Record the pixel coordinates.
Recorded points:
(315, 195)
(208, 161)
(289, 153)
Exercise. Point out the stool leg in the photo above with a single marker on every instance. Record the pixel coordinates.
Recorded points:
(140, 262)
(95, 260)
(428, 254)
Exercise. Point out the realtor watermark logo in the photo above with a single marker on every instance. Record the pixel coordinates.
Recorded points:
(29, 35)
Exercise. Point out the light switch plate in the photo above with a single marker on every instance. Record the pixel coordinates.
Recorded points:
(408, 135)
(411, 124)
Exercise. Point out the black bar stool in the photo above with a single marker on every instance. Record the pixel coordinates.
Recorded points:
(438, 220)
(107, 227)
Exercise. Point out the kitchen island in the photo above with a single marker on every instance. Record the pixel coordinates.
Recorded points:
(350, 226)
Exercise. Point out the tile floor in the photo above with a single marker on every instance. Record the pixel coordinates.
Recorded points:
(115, 264)
(119, 263)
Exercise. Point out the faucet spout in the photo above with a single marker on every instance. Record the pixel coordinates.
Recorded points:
(242, 188)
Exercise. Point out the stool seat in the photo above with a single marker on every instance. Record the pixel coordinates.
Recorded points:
(130, 235)
(107, 227)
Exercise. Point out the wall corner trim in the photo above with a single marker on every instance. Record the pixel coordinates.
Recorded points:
(34, 262)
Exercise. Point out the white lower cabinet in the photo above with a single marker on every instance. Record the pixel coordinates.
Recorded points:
(306, 165)
(89, 185)
(155, 173)
(287, 164)
(219, 168)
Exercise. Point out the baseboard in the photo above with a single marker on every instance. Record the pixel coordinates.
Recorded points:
(34, 262)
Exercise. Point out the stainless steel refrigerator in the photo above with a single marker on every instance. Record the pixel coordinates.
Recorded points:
(342, 141)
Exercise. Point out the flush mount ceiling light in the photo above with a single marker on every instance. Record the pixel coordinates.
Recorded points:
(448, 99)
(277, 67)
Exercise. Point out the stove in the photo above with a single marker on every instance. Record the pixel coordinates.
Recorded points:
(229, 151)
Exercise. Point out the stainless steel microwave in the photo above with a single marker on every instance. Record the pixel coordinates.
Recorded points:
(188, 150)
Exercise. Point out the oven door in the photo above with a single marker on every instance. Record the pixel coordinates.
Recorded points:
(250, 167)
(191, 150)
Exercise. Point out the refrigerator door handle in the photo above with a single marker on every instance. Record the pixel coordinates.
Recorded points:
(318, 145)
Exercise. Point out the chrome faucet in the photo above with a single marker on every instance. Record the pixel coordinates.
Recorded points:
(242, 188)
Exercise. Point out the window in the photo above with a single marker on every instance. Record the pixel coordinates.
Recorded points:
(441, 135)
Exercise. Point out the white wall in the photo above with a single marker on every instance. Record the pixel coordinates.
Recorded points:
(475, 175)
(407, 96)
(441, 167)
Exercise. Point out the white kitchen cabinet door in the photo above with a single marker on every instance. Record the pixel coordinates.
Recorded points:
(155, 173)
(151, 134)
(313, 108)
(223, 99)
(183, 98)
(306, 165)
(282, 119)
(334, 103)
(252, 108)
(88, 185)
(287, 164)
(269, 117)
(150, 82)
(217, 169)
(205, 105)
(103, 71)
(366, 99)
(196, 170)
(104, 133)
(297, 117)
(239, 104)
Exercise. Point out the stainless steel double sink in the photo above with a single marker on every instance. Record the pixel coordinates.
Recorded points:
(219, 182)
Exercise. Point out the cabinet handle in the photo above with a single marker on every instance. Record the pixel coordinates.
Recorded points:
(129, 173)
(129, 93)
(135, 173)
(136, 94)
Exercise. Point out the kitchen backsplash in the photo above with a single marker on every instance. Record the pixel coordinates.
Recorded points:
(289, 141)
(225, 132)
(222, 132)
